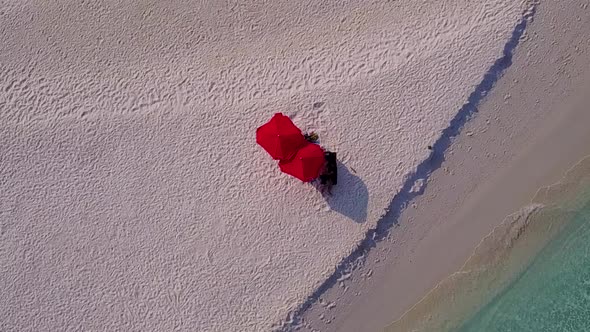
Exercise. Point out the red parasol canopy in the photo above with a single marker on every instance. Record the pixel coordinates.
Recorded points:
(307, 163)
(280, 137)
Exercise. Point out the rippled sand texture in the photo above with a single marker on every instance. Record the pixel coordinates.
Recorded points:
(133, 195)
(501, 256)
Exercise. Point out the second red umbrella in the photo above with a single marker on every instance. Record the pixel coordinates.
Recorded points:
(307, 163)
(280, 137)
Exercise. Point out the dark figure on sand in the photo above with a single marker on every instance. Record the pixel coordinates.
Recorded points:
(311, 137)
(329, 176)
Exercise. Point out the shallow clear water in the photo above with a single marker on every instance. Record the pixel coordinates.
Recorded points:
(532, 273)
(553, 294)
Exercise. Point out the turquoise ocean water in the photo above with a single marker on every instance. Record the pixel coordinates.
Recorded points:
(532, 273)
(552, 294)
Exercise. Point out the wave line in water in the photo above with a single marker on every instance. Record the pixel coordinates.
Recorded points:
(502, 257)
(422, 173)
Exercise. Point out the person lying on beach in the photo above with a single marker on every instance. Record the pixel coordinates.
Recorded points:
(329, 176)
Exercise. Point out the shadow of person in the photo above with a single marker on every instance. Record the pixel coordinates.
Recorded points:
(350, 196)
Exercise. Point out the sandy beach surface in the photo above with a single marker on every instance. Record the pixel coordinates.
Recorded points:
(133, 195)
(530, 129)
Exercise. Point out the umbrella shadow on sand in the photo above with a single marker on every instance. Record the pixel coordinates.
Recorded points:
(350, 196)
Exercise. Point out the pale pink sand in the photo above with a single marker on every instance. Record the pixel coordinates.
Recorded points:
(530, 129)
(133, 196)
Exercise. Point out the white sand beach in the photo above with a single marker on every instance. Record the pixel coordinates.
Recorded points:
(529, 130)
(132, 193)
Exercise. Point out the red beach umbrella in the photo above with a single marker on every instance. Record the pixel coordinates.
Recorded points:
(280, 137)
(307, 163)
